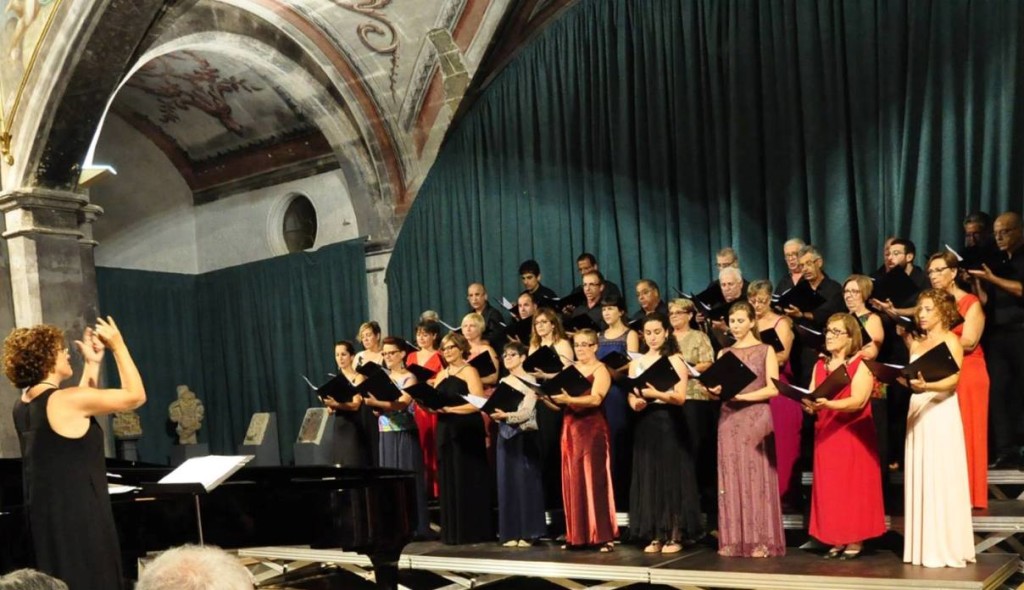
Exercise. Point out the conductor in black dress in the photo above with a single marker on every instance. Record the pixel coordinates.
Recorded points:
(64, 472)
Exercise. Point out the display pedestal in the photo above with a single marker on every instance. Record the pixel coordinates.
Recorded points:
(261, 441)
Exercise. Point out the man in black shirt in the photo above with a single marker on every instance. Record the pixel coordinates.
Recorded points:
(791, 252)
(585, 263)
(494, 329)
(593, 290)
(648, 295)
(812, 266)
(1003, 297)
(529, 274)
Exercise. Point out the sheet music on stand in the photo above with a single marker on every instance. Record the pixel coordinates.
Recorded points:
(199, 475)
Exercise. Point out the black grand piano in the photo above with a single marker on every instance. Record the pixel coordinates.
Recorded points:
(369, 511)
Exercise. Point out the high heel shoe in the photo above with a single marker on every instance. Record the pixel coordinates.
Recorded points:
(835, 552)
(849, 555)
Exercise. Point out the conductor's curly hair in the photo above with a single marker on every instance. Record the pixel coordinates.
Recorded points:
(31, 353)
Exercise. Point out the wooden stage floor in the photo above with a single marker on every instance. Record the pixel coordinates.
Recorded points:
(469, 566)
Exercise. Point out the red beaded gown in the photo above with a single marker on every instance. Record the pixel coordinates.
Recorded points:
(586, 477)
(846, 499)
(972, 396)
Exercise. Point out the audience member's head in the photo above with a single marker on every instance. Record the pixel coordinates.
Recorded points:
(191, 567)
(27, 579)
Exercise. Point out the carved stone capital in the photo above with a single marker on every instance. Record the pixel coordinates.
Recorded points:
(46, 212)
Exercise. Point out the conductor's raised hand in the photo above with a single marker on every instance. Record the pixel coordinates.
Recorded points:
(109, 334)
(91, 346)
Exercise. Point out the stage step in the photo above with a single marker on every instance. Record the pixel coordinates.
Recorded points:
(995, 477)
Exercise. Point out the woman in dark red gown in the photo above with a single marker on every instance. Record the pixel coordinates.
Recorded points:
(428, 336)
(846, 499)
(586, 474)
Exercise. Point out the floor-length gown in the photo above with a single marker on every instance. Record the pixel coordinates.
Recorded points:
(463, 474)
(520, 487)
(663, 493)
(937, 500)
(617, 412)
(350, 445)
(787, 420)
(426, 425)
(846, 499)
(972, 395)
(586, 477)
(749, 510)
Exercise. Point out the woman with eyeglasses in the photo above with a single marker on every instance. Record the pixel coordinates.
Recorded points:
(937, 498)
(749, 510)
(350, 447)
(463, 472)
(618, 337)
(973, 387)
(428, 337)
(548, 331)
(787, 416)
(846, 499)
(399, 438)
(587, 492)
(520, 488)
(664, 507)
(700, 412)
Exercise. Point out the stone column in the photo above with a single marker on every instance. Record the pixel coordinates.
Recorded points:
(52, 277)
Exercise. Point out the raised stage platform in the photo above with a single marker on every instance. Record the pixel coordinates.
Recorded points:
(470, 566)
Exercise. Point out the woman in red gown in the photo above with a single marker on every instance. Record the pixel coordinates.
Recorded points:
(972, 390)
(586, 473)
(846, 499)
(428, 337)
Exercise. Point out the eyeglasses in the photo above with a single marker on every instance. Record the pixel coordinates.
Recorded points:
(935, 271)
(759, 301)
(835, 332)
(583, 344)
(449, 347)
(594, 285)
(509, 355)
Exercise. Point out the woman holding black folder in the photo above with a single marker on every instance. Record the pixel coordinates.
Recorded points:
(428, 337)
(618, 337)
(399, 437)
(937, 499)
(664, 509)
(749, 510)
(462, 469)
(973, 389)
(520, 487)
(473, 329)
(846, 499)
(548, 331)
(350, 447)
(587, 492)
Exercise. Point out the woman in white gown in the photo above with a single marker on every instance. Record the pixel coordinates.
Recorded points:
(938, 529)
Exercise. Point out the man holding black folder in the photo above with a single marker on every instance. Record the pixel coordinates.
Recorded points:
(1003, 297)
(831, 292)
(593, 290)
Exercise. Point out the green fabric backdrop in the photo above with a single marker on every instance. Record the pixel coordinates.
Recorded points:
(654, 132)
(241, 338)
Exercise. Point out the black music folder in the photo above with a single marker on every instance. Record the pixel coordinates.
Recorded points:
(483, 365)
(381, 386)
(810, 337)
(800, 296)
(637, 325)
(422, 373)
(339, 389)
(661, 376)
(406, 346)
(570, 379)
(934, 365)
(708, 299)
(520, 330)
(615, 360)
(432, 398)
(896, 286)
(574, 299)
(771, 338)
(827, 389)
(579, 322)
(545, 359)
(909, 324)
(368, 368)
(729, 372)
(505, 398)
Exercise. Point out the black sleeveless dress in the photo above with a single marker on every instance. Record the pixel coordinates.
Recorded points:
(66, 500)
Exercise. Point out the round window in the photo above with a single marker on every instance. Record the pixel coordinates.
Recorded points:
(299, 227)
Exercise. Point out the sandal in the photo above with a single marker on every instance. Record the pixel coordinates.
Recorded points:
(525, 543)
(512, 543)
(671, 547)
(607, 547)
(654, 547)
(849, 554)
(835, 552)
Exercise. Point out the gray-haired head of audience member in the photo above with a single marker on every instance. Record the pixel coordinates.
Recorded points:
(191, 567)
(27, 579)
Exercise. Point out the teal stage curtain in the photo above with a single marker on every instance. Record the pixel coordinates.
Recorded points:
(241, 338)
(652, 133)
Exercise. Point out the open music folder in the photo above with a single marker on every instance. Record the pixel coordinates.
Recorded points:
(201, 474)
